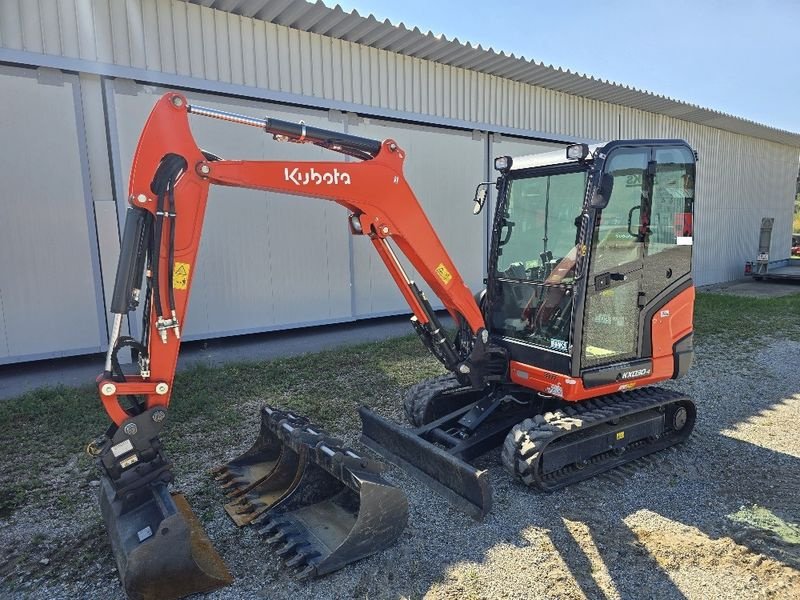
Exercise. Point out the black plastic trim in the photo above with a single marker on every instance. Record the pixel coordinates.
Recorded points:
(683, 351)
(616, 372)
(644, 143)
(534, 356)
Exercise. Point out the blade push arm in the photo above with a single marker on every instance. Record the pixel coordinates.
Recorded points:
(169, 184)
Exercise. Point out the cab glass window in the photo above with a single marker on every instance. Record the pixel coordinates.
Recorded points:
(539, 228)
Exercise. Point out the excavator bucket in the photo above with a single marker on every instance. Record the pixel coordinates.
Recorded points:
(320, 504)
(266, 473)
(161, 549)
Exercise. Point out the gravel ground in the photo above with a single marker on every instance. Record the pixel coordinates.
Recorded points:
(714, 518)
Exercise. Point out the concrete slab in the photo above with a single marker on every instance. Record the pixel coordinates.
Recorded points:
(750, 288)
(20, 378)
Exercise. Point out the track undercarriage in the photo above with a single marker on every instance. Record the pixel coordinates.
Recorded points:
(546, 442)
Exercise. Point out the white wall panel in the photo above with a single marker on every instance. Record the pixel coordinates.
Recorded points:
(49, 272)
(100, 181)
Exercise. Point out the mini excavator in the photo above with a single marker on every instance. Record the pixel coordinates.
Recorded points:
(588, 301)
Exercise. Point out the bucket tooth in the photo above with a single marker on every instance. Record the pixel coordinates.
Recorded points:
(234, 483)
(234, 494)
(268, 527)
(278, 537)
(296, 560)
(159, 545)
(305, 573)
(223, 476)
(289, 547)
(244, 508)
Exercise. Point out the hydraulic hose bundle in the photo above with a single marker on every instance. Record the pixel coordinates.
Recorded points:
(141, 247)
(171, 167)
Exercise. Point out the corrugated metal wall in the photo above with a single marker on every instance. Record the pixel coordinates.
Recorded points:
(170, 42)
(50, 293)
(170, 36)
(739, 180)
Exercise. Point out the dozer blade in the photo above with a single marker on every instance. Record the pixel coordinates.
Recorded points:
(455, 479)
(321, 505)
(161, 549)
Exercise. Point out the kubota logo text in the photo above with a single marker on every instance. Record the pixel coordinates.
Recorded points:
(314, 177)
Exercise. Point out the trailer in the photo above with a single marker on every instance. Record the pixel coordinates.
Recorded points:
(762, 268)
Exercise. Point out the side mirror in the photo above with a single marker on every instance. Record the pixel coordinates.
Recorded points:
(481, 192)
(603, 192)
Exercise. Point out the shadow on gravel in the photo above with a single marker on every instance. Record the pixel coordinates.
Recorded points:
(773, 489)
(700, 484)
(582, 569)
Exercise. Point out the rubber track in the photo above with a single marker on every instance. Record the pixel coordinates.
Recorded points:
(419, 396)
(527, 442)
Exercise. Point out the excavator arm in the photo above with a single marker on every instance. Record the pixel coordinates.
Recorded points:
(168, 191)
(296, 480)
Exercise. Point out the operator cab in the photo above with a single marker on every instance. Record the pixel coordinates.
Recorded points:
(586, 245)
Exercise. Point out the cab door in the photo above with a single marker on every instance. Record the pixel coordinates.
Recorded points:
(614, 282)
(640, 250)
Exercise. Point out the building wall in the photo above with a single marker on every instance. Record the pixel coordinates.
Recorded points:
(49, 257)
(112, 58)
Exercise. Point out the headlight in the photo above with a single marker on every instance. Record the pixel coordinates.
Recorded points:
(502, 163)
(577, 151)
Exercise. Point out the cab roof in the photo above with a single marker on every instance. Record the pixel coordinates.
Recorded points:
(548, 159)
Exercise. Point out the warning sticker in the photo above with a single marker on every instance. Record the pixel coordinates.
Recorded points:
(180, 276)
(443, 273)
(620, 435)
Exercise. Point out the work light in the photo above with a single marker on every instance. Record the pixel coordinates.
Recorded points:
(502, 163)
(577, 151)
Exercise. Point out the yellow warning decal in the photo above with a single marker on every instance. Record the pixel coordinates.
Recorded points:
(180, 276)
(443, 273)
(620, 435)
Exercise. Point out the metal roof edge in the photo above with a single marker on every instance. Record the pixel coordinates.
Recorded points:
(317, 17)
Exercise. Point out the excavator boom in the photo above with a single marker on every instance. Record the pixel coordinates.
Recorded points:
(381, 204)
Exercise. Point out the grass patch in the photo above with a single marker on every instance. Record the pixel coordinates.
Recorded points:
(743, 318)
(46, 430)
(762, 519)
